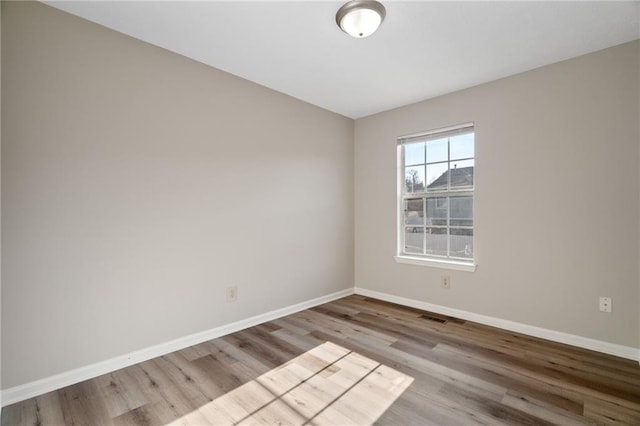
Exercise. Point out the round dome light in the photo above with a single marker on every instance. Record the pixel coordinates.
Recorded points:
(360, 18)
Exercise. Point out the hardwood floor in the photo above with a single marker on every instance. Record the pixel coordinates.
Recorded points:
(358, 361)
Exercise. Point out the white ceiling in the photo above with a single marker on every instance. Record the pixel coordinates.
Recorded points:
(422, 50)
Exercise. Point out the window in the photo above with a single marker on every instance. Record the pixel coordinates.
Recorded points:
(436, 184)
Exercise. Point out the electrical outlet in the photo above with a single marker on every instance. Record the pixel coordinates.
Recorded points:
(445, 281)
(232, 293)
(605, 304)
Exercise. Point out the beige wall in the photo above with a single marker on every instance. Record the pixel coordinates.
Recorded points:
(0, 209)
(137, 185)
(556, 199)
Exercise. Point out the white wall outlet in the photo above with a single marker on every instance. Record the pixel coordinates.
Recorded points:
(232, 293)
(445, 281)
(605, 304)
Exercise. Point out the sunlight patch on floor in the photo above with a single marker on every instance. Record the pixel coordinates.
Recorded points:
(327, 385)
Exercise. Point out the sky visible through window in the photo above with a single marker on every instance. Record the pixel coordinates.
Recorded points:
(427, 161)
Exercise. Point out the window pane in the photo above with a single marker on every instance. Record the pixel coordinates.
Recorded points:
(414, 212)
(437, 177)
(414, 154)
(462, 243)
(461, 211)
(436, 241)
(437, 211)
(437, 150)
(413, 239)
(461, 146)
(462, 174)
(437, 198)
(414, 179)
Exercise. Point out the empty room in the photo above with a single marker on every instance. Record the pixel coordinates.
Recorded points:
(320, 213)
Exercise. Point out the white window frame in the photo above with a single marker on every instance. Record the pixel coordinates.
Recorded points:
(425, 259)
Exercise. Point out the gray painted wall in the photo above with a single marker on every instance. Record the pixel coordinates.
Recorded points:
(138, 184)
(556, 197)
(0, 209)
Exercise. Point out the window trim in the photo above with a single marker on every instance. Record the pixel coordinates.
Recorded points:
(444, 264)
(408, 258)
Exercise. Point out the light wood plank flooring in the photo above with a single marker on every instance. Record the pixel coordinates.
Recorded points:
(356, 360)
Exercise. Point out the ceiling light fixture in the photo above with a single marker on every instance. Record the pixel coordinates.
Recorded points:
(360, 18)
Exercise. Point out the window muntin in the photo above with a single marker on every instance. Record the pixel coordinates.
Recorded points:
(436, 194)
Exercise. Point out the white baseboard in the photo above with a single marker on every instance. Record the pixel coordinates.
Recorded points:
(555, 336)
(48, 384)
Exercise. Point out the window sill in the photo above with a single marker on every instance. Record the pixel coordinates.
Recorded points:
(445, 264)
